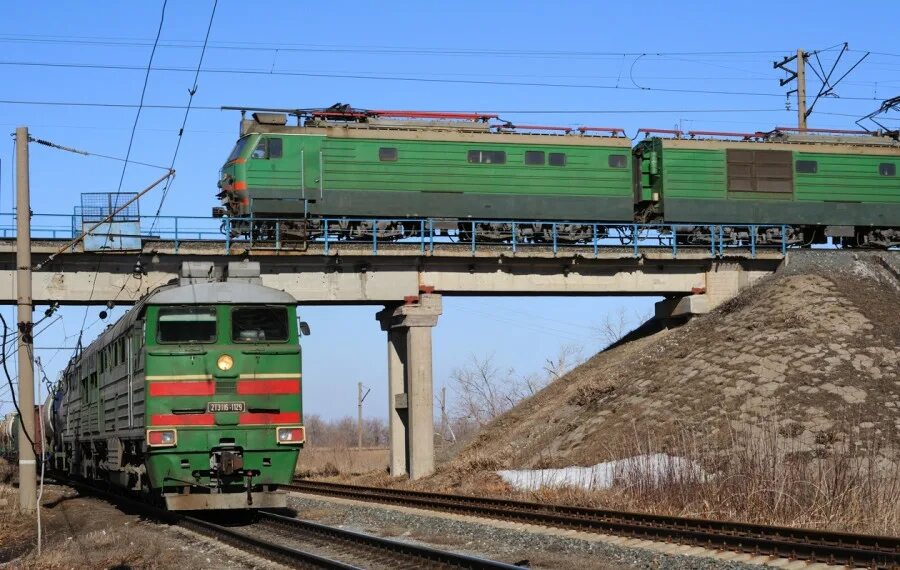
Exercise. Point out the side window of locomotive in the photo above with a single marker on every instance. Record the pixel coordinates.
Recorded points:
(487, 157)
(534, 157)
(275, 148)
(268, 148)
(807, 166)
(557, 159)
(186, 324)
(617, 161)
(887, 169)
(259, 324)
(260, 150)
(387, 154)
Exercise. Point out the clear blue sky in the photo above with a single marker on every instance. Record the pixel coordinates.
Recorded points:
(708, 66)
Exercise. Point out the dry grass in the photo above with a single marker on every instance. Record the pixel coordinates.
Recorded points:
(840, 485)
(332, 461)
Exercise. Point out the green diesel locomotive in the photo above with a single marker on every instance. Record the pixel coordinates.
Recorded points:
(377, 171)
(192, 398)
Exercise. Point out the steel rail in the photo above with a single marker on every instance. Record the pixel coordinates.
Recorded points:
(353, 542)
(795, 543)
(291, 557)
(417, 554)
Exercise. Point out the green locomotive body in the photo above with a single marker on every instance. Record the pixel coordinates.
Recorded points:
(192, 398)
(439, 171)
(360, 167)
(805, 182)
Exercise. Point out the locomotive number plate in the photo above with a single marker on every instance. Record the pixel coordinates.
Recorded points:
(213, 407)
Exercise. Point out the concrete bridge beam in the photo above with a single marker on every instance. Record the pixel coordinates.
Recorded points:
(411, 385)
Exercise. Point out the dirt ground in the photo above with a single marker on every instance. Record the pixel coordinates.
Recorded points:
(83, 532)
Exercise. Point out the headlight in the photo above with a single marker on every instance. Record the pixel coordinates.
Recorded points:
(290, 435)
(162, 438)
(225, 362)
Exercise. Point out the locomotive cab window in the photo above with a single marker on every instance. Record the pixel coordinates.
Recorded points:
(268, 148)
(617, 161)
(238, 149)
(534, 157)
(487, 157)
(259, 324)
(387, 154)
(807, 166)
(557, 159)
(887, 169)
(187, 324)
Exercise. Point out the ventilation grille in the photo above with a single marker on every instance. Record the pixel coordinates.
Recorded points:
(226, 387)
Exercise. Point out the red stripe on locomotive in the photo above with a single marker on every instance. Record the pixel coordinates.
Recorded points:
(245, 387)
(183, 420)
(182, 388)
(269, 418)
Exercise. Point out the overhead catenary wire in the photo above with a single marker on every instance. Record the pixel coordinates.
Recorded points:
(349, 48)
(191, 92)
(58, 146)
(398, 78)
(519, 111)
(137, 117)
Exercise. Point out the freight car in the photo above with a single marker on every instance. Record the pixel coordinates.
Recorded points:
(192, 398)
(9, 436)
(360, 166)
(9, 433)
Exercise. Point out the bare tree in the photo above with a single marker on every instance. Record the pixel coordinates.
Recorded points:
(483, 391)
(342, 432)
(615, 325)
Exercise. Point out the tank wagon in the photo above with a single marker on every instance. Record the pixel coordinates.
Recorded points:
(9, 433)
(359, 166)
(192, 398)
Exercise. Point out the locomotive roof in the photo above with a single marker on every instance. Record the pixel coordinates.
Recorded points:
(213, 293)
(367, 131)
(818, 146)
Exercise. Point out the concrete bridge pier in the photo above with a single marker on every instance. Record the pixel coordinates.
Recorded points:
(410, 384)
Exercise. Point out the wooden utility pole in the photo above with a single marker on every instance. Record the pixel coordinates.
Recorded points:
(801, 90)
(27, 467)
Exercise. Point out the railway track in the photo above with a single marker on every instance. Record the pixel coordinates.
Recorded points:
(269, 535)
(795, 543)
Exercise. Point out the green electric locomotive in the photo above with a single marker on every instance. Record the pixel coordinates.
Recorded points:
(192, 398)
(380, 171)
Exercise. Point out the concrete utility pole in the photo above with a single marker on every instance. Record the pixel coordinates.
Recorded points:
(27, 468)
(800, 76)
(359, 401)
(801, 89)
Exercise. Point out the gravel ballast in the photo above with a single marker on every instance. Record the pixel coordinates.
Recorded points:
(515, 543)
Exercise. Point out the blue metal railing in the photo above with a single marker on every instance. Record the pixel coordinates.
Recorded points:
(421, 233)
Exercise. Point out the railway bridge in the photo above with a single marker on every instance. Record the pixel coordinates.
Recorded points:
(406, 280)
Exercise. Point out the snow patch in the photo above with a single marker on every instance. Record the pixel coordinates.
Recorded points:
(656, 468)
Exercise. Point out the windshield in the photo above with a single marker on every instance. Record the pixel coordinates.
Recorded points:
(259, 324)
(187, 324)
(238, 148)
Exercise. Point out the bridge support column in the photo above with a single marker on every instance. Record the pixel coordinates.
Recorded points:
(410, 384)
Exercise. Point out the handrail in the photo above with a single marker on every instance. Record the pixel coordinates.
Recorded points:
(422, 234)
